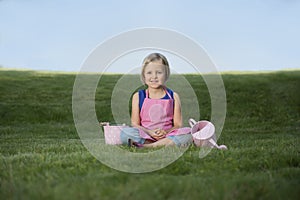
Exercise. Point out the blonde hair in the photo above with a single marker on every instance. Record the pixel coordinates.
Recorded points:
(153, 57)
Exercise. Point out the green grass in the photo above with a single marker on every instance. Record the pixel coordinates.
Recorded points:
(42, 157)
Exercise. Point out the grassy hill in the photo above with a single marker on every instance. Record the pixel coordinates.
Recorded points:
(42, 157)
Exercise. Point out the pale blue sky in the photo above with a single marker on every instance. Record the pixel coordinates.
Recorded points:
(237, 34)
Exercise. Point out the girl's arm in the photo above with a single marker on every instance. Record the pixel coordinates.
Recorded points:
(177, 120)
(135, 111)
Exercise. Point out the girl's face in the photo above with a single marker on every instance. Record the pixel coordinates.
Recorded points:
(155, 75)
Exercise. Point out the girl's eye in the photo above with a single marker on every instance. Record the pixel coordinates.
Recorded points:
(148, 72)
(159, 72)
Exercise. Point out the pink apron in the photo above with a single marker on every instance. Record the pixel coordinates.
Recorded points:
(158, 113)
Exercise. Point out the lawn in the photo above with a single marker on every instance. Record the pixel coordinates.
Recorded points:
(42, 156)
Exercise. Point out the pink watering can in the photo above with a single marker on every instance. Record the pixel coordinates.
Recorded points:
(203, 133)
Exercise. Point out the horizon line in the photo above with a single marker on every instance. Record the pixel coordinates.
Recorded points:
(120, 73)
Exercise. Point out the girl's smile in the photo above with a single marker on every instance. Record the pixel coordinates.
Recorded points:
(155, 75)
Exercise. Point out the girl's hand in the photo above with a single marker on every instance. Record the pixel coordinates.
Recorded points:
(161, 132)
(158, 134)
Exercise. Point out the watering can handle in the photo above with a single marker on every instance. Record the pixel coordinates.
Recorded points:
(192, 122)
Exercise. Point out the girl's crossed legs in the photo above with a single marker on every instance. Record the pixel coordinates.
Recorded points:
(133, 134)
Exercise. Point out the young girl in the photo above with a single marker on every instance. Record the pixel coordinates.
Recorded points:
(156, 112)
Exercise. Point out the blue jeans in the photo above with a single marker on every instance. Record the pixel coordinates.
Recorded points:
(133, 134)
